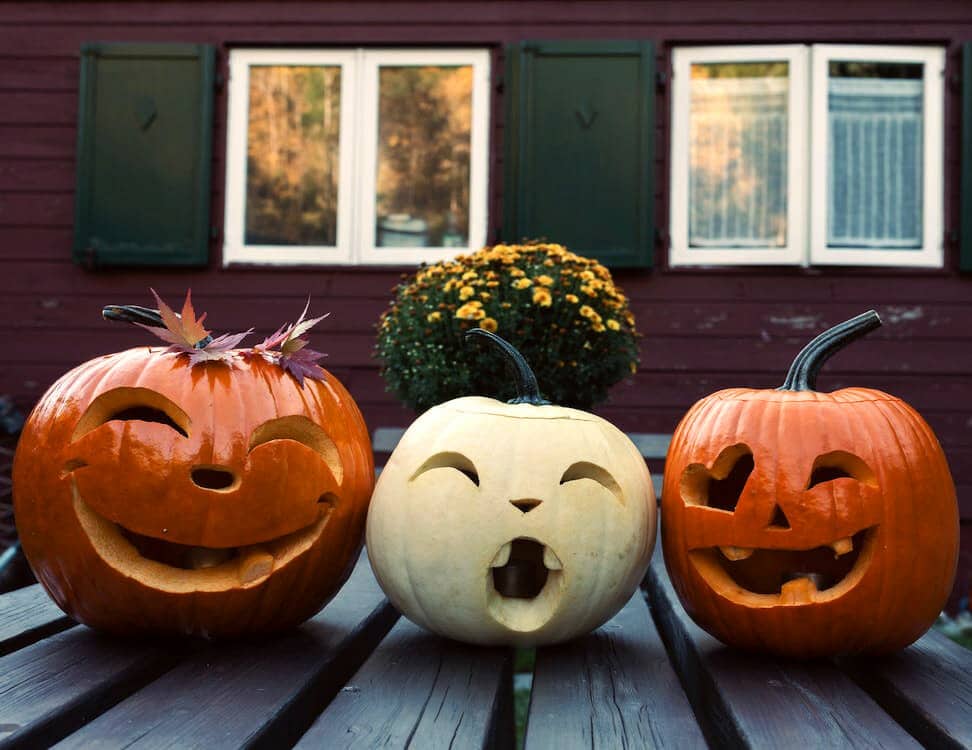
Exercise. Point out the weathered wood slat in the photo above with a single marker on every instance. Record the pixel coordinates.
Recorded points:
(927, 688)
(421, 691)
(251, 694)
(26, 616)
(50, 688)
(614, 688)
(745, 700)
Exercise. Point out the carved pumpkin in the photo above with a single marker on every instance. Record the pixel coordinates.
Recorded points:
(810, 524)
(156, 496)
(517, 523)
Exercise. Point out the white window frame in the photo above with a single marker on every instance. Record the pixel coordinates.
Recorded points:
(931, 253)
(358, 142)
(807, 168)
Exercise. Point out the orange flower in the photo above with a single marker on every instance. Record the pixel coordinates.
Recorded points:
(489, 324)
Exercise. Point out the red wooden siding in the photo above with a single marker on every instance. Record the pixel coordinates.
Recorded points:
(703, 329)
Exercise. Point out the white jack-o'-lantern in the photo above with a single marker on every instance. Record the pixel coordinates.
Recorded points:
(521, 523)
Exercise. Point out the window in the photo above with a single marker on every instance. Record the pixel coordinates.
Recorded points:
(797, 155)
(356, 156)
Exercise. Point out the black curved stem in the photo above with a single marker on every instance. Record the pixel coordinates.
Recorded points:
(145, 316)
(525, 382)
(802, 375)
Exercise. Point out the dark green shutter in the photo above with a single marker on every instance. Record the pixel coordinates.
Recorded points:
(144, 149)
(965, 262)
(579, 154)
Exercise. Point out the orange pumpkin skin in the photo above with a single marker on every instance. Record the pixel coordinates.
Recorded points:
(109, 510)
(856, 464)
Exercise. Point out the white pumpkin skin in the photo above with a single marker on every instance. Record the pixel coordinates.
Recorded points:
(432, 538)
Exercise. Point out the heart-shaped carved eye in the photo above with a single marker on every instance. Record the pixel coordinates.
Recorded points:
(721, 486)
(449, 460)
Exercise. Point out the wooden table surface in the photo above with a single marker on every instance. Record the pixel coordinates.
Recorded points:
(359, 676)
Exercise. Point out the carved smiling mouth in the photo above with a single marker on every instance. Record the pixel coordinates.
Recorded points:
(769, 577)
(524, 584)
(181, 568)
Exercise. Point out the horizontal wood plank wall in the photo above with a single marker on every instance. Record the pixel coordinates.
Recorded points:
(704, 330)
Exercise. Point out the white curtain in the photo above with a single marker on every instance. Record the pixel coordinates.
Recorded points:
(738, 162)
(875, 163)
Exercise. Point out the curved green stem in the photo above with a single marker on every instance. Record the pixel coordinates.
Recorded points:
(525, 382)
(144, 316)
(802, 375)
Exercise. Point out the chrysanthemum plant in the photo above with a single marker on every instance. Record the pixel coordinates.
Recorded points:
(561, 310)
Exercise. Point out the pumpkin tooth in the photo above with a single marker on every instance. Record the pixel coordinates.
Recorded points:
(255, 563)
(842, 546)
(503, 556)
(798, 591)
(550, 560)
(206, 557)
(736, 553)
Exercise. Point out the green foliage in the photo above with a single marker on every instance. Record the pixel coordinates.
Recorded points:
(562, 311)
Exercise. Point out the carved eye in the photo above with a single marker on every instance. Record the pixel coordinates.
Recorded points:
(587, 470)
(722, 486)
(132, 405)
(449, 460)
(302, 430)
(840, 465)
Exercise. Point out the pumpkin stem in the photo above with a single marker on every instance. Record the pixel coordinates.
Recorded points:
(802, 375)
(525, 382)
(144, 316)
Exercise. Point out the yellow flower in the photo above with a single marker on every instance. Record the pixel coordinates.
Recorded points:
(589, 291)
(506, 305)
(633, 367)
(613, 324)
(598, 327)
(485, 295)
(517, 273)
(587, 311)
(550, 264)
(542, 297)
(545, 280)
(470, 312)
(434, 317)
(469, 275)
(572, 298)
(466, 292)
(450, 285)
(489, 324)
(492, 284)
(587, 275)
(522, 283)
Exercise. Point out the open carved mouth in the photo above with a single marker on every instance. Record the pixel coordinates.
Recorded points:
(181, 568)
(762, 577)
(524, 584)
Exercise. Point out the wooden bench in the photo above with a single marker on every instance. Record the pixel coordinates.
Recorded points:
(359, 676)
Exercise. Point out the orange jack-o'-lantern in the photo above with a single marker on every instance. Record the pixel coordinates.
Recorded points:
(810, 524)
(225, 497)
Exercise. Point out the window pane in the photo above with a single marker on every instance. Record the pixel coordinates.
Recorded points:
(425, 121)
(738, 155)
(874, 176)
(292, 155)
